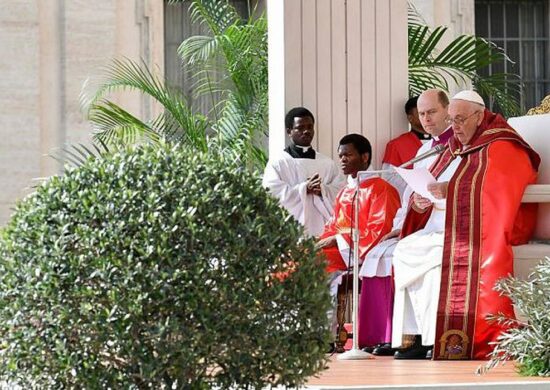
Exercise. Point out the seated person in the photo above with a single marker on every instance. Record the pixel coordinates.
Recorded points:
(453, 250)
(404, 147)
(432, 108)
(378, 203)
(305, 181)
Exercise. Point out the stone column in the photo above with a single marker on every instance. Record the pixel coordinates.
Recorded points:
(51, 83)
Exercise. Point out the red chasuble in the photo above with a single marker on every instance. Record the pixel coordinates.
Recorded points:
(484, 217)
(401, 149)
(378, 203)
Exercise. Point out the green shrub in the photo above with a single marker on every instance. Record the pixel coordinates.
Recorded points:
(154, 269)
(526, 342)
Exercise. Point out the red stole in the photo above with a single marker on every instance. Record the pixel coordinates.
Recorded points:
(482, 206)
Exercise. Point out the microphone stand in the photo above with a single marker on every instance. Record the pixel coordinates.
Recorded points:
(355, 353)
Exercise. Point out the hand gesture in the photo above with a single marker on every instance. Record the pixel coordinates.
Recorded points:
(313, 185)
(438, 190)
(392, 234)
(421, 202)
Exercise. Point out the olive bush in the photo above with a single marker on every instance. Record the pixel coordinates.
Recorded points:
(158, 268)
(527, 340)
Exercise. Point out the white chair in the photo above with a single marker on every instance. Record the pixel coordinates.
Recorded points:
(535, 129)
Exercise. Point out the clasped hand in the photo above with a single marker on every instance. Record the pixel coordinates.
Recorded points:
(313, 185)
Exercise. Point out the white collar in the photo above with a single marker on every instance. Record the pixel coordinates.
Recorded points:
(352, 181)
(304, 148)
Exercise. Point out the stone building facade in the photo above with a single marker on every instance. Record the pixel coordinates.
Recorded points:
(345, 59)
(50, 48)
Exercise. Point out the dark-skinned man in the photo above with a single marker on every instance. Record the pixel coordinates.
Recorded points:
(378, 203)
(305, 181)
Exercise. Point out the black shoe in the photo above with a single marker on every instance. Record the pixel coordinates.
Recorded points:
(414, 352)
(384, 350)
(429, 354)
(331, 348)
(370, 349)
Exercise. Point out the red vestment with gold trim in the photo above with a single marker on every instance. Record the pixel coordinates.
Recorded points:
(484, 217)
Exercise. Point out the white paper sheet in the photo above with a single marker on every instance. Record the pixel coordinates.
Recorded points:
(418, 179)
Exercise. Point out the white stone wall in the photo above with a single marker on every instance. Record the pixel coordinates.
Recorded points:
(344, 60)
(49, 48)
(457, 15)
(19, 119)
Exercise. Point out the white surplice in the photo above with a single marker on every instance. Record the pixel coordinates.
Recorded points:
(379, 259)
(417, 274)
(286, 179)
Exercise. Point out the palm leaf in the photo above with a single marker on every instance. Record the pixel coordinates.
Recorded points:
(199, 49)
(218, 15)
(500, 89)
(113, 124)
(459, 61)
(129, 75)
(230, 66)
(76, 155)
(425, 42)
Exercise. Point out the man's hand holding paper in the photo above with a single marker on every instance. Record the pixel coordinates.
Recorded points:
(438, 190)
(418, 179)
(427, 189)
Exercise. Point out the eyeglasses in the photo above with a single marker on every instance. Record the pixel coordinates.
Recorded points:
(459, 121)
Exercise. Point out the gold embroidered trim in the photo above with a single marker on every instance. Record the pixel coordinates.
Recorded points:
(453, 241)
(471, 238)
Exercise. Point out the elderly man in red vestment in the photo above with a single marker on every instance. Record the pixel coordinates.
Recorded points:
(378, 203)
(455, 248)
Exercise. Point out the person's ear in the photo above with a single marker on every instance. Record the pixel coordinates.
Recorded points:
(480, 117)
(365, 157)
(288, 131)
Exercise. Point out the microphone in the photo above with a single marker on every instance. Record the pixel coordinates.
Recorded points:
(432, 152)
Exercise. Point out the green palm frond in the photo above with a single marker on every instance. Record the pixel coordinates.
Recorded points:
(200, 49)
(217, 14)
(230, 66)
(458, 61)
(425, 79)
(76, 155)
(499, 87)
(238, 129)
(422, 43)
(126, 74)
(114, 125)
